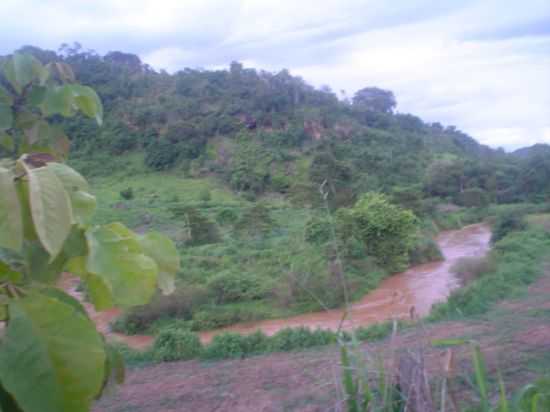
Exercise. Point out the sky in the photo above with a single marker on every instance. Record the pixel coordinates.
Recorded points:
(483, 66)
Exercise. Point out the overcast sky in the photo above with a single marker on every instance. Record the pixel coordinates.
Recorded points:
(483, 66)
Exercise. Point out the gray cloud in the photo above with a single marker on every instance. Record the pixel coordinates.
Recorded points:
(483, 66)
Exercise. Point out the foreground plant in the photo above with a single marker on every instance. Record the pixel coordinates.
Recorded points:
(52, 358)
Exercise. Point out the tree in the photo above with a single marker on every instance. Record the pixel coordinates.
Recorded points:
(386, 230)
(375, 99)
(52, 358)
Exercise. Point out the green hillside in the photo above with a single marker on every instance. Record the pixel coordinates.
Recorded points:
(249, 170)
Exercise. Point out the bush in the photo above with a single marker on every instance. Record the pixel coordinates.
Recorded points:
(386, 230)
(317, 230)
(474, 197)
(226, 216)
(127, 194)
(424, 250)
(507, 223)
(471, 268)
(205, 196)
(225, 345)
(229, 287)
(173, 344)
(374, 332)
(300, 338)
(255, 343)
(200, 229)
(180, 305)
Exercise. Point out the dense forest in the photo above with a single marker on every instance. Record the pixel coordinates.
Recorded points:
(249, 170)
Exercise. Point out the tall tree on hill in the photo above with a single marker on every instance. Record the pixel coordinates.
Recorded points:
(375, 99)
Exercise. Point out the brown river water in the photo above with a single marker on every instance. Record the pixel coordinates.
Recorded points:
(406, 294)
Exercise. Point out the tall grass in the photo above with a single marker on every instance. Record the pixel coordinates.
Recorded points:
(517, 263)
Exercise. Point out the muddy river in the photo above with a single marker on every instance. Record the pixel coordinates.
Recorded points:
(412, 292)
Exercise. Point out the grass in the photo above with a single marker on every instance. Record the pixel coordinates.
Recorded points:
(517, 262)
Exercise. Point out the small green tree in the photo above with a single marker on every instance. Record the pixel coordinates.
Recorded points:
(386, 230)
(52, 358)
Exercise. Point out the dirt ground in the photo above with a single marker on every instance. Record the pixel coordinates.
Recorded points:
(514, 337)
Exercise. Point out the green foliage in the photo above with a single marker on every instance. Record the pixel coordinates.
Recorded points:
(289, 339)
(172, 344)
(229, 287)
(474, 197)
(386, 230)
(517, 260)
(199, 228)
(255, 222)
(52, 357)
(127, 194)
(506, 223)
(318, 230)
(249, 170)
(424, 250)
(225, 345)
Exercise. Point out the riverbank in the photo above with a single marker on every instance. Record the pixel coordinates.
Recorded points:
(513, 336)
(401, 296)
(406, 295)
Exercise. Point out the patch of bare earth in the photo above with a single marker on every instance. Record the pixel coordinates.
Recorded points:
(511, 340)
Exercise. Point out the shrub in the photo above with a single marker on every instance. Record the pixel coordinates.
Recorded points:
(374, 332)
(474, 197)
(317, 230)
(127, 194)
(226, 216)
(229, 287)
(255, 222)
(225, 345)
(173, 344)
(200, 229)
(471, 268)
(181, 304)
(255, 343)
(386, 230)
(507, 223)
(424, 250)
(299, 338)
(205, 196)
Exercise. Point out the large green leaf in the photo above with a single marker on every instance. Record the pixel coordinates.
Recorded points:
(39, 266)
(71, 179)
(165, 254)
(22, 69)
(50, 209)
(115, 255)
(11, 225)
(58, 100)
(29, 231)
(98, 292)
(51, 357)
(88, 102)
(83, 203)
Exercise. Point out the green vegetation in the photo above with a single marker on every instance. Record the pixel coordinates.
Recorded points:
(270, 189)
(174, 342)
(515, 261)
(52, 358)
(230, 164)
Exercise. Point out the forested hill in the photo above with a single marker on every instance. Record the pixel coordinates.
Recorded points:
(261, 132)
